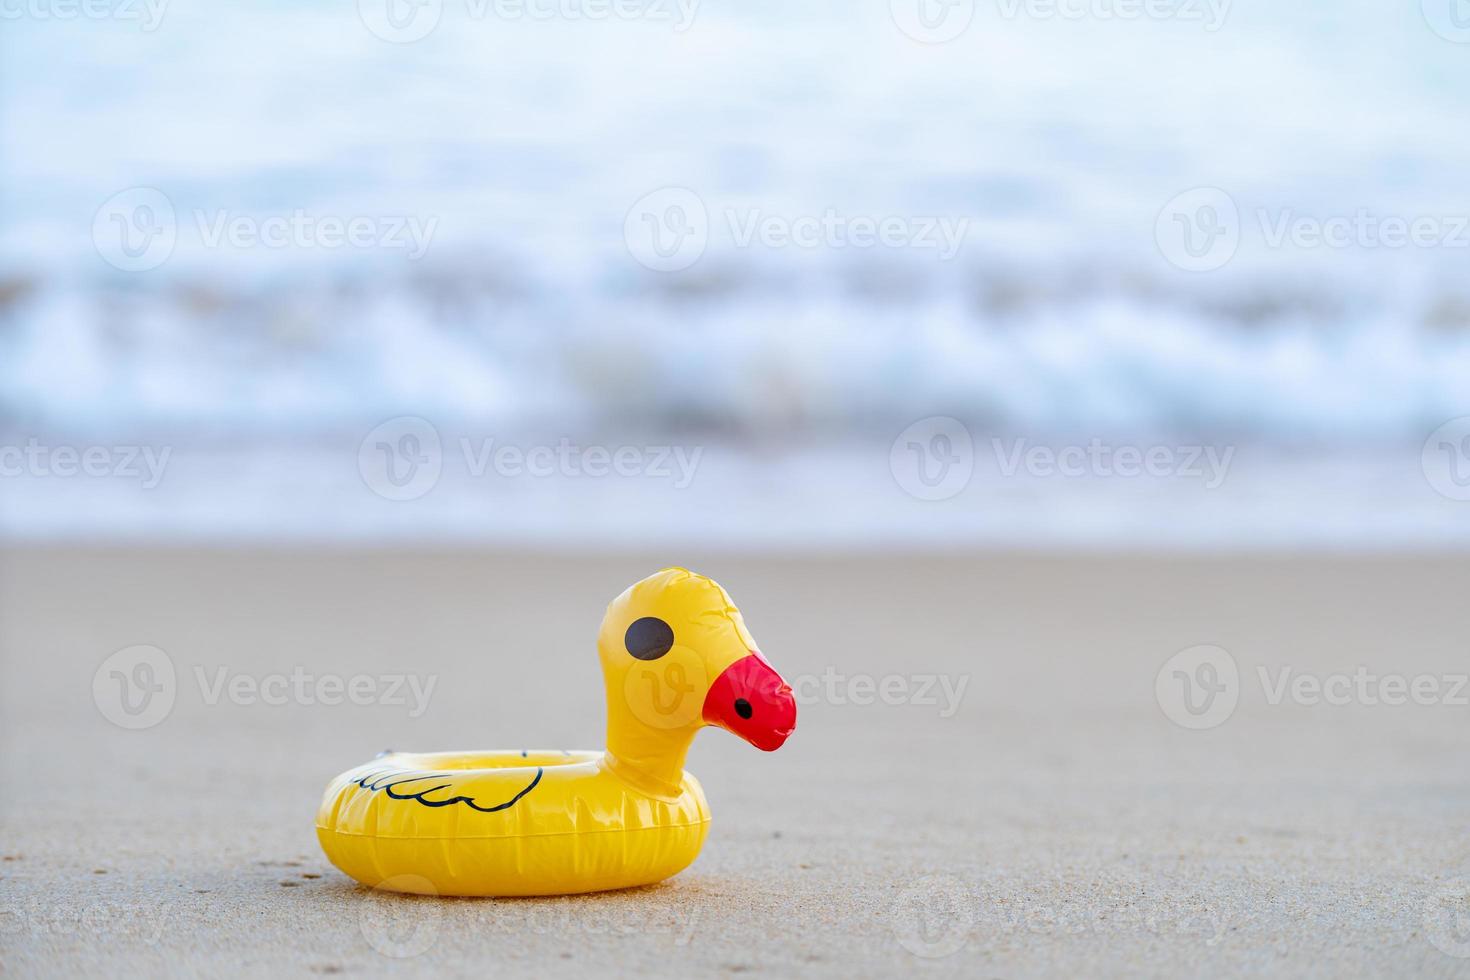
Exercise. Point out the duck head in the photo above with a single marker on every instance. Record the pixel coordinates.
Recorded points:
(676, 656)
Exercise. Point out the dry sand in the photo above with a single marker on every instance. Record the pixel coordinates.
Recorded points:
(1057, 823)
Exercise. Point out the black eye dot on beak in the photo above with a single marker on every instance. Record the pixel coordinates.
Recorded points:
(742, 708)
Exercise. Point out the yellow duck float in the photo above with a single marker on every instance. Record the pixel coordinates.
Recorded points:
(676, 656)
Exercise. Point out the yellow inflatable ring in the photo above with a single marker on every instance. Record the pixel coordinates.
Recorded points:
(676, 656)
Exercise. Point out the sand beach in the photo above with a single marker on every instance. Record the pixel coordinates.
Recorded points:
(985, 779)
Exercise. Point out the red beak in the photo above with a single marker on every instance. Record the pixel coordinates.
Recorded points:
(751, 700)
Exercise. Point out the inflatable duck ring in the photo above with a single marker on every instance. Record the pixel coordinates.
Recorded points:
(676, 656)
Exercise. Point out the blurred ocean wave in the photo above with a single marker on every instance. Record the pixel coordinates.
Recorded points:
(734, 354)
(1057, 142)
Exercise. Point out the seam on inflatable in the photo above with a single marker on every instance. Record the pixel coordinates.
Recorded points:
(559, 833)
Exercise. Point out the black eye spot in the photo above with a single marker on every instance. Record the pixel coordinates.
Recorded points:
(742, 708)
(649, 638)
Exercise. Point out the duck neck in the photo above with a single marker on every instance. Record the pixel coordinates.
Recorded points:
(649, 759)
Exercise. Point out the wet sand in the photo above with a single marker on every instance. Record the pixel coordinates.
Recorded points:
(982, 782)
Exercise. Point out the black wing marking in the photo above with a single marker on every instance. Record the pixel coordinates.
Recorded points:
(387, 780)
